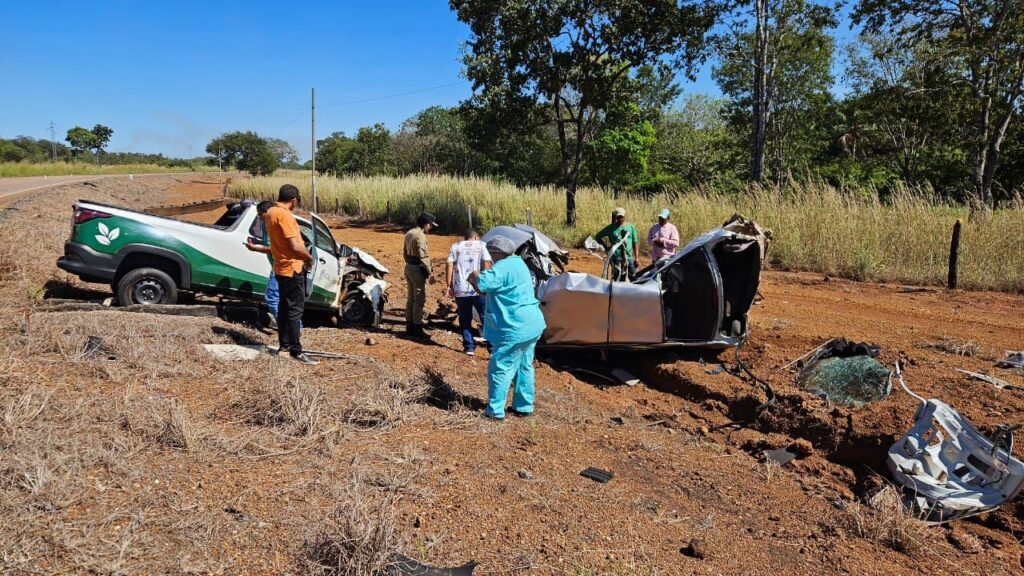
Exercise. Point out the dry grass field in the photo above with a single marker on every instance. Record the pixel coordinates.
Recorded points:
(817, 228)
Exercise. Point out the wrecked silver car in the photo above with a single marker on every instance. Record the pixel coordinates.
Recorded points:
(699, 297)
(541, 254)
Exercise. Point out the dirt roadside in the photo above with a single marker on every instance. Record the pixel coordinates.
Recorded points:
(246, 497)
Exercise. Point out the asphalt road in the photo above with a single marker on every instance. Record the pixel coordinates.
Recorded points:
(11, 188)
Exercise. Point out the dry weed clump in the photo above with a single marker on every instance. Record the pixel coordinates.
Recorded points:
(884, 519)
(294, 405)
(20, 411)
(357, 539)
(161, 420)
(386, 403)
(953, 346)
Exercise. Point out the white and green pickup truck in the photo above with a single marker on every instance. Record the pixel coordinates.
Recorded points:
(148, 259)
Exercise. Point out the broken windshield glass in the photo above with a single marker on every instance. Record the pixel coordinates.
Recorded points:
(846, 373)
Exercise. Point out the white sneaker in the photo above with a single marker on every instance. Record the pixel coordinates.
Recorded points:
(470, 353)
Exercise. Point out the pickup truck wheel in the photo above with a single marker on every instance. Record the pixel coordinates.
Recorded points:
(146, 286)
(357, 311)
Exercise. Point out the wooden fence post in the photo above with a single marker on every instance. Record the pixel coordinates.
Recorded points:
(388, 214)
(469, 214)
(954, 256)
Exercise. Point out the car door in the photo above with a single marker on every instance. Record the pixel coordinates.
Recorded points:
(325, 275)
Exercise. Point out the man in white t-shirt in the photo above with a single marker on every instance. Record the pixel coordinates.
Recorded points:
(465, 257)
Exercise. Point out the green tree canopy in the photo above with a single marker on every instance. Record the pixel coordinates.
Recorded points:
(80, 139)
(246, 151)
(569, 56)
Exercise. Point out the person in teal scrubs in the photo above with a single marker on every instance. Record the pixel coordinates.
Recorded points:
(513, 323)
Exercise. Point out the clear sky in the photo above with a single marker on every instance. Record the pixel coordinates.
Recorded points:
(167, 75)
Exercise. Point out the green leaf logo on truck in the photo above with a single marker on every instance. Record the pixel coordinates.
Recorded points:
(106, 235)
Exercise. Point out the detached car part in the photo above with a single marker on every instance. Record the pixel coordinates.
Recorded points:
(949, 470)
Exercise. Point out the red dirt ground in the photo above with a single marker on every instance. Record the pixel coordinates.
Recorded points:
(676, 477)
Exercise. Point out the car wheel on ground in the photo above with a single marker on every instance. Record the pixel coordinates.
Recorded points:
(357, 311)
(146, 286)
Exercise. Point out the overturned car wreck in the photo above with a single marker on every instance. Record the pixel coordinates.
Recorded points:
(699, 297)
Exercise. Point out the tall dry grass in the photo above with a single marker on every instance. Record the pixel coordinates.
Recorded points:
(85, 169)
(817, 227)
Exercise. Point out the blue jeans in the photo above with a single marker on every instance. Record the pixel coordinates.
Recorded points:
(510, 360)
(272, 296)
(465, 306)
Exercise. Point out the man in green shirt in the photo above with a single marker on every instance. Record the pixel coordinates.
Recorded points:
(624, 257)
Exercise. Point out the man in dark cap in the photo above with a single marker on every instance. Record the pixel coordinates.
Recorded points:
(417, 272)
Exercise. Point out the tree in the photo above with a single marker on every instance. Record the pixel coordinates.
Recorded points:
(907, 109)
(982, 42)
(336, 155)
(284, 152)
(434, 140)
(773, 62)
(567, 56)
(694, 142)
(373, 151)
(246, 151)
(623, 148)
(101, 137)
(80, 140)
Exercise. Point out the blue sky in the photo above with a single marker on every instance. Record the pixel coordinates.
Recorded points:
(166, 75)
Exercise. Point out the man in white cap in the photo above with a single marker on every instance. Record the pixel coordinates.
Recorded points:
(624, 257)
(663, 237)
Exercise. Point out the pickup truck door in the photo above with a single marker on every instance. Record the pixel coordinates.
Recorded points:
(324, 281)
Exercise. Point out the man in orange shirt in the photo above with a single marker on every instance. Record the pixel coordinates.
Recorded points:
(290, 260)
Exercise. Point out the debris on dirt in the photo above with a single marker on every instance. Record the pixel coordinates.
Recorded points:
(695, 548)
(236, 513)
(846, 373)
(780, 456)
(592, 373)
(952, 346)
(912, 289)
(525, 475)
(997, 382)
(597, 475)
(197, 310)
(235, 352)
(715, 371)
(405, 566)
(949, 470)
(370, 341)
(96, 349)
(625, 377)
(1012, 360)
(617, 420)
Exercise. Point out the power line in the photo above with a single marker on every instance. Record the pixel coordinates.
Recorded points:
(378, 98)
(398, 95)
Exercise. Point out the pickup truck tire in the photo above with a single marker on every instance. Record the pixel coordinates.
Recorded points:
(356, 310)
(146, 286)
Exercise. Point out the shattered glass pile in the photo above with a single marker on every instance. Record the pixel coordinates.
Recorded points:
(846, 374)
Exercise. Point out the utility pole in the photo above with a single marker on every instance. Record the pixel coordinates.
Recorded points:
(312, 92)
(53, 141)
(220, 159)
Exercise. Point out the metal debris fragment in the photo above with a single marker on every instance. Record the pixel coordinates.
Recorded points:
(997, 382)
